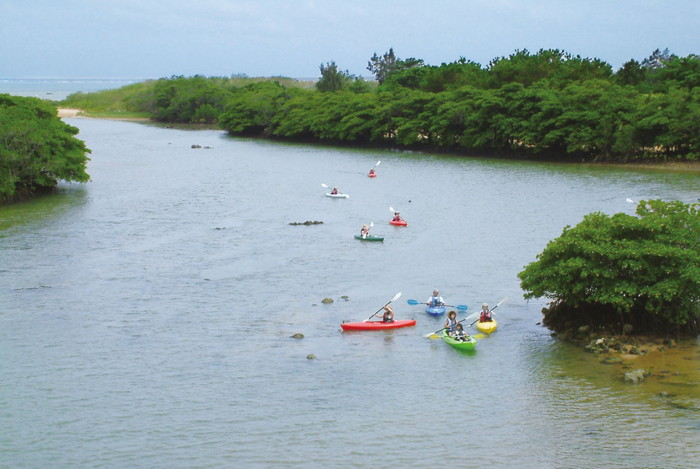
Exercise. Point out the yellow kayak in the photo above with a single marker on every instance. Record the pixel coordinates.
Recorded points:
(487, 327)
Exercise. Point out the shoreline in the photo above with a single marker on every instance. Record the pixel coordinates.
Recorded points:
(679, 166)
(74, 113)
(69, 113)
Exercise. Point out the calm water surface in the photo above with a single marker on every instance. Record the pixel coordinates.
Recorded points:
(145, 317)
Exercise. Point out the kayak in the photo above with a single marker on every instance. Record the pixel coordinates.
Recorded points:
(468, 344)
(435, 310)
(487, 327)
(337, 196)
(398, 223)
(376, 325)
(372, 175)
(369, 238)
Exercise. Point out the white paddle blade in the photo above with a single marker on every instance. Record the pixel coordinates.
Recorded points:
(324, 185)
(396, 297)
(391, 209)
(630, 200)
(501, 302)
(377, 163)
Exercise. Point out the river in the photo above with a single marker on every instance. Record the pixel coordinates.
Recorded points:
(146, 315)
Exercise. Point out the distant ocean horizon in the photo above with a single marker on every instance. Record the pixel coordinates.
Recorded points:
(58, 89)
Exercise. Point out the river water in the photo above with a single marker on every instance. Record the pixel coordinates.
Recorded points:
(145, 316)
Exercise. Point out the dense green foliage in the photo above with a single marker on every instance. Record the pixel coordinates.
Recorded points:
(549, 104)
(545, 105)
(613, 270)
(37, 149)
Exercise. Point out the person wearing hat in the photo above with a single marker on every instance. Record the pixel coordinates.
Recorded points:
(486, 315)
(388, 315)
(451, 321)
(364, 232)
(436, 299)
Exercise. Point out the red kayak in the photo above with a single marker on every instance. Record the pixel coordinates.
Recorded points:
(398, 223)
(376, 325)
(372, 175)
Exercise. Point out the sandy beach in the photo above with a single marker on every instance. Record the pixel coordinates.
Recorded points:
(68, 112)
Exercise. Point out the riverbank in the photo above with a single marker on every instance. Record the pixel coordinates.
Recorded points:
(67, 113)
(73, 113)
(678, 166)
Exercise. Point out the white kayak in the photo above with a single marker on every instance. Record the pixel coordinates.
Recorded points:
(337, 196)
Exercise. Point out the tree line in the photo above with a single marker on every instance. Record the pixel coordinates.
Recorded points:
(548, 104)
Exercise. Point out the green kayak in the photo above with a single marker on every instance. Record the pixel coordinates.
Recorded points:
(468, 344)
(369, 238)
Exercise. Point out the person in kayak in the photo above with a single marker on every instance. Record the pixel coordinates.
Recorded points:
(486, 315)
(451, 322)
(371, 172)
(459, 333)
(388, 315)
(334, 191)
(436, 299)
(364, 232)
(397, 217)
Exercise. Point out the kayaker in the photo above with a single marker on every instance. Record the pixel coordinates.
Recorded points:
(436, 299)
(371, 172)
(451, 321)
(364, 232)
(388, 315)
(334, 191)
(459, 333)
(486, 315)
(397, 217)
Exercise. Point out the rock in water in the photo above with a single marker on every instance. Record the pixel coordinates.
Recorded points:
(635, 376)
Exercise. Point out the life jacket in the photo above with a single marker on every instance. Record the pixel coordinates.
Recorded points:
(485, 316)
(435, 301)
(451, 324)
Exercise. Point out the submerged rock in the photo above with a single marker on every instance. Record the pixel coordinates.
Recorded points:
(307, 223)
(635, 376)
(298, 335)
(326, 301)
(311, 356)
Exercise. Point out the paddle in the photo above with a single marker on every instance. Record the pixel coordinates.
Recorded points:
(491, 310)
(396, 297)
(376, 164)
(459, 307)
(364, 235)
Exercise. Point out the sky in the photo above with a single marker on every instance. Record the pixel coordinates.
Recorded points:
(292, 38)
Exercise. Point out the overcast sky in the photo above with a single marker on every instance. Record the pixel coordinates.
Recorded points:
(160, 38)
